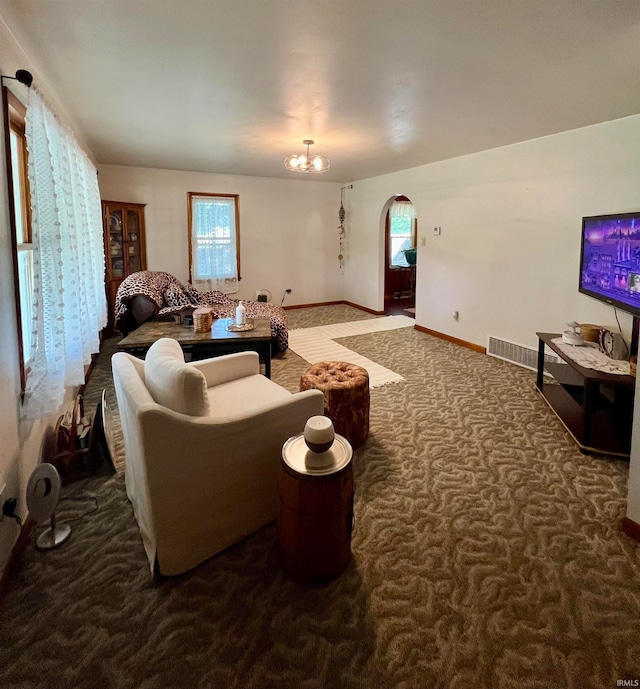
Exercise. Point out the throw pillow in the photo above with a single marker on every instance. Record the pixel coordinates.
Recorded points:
(172, 382)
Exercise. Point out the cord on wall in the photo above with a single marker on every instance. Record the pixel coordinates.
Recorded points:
(624, 342)
(284, 296)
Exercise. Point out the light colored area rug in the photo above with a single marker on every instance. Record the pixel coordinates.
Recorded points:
(317, 344)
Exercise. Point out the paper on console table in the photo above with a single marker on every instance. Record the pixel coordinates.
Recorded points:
(589, 355)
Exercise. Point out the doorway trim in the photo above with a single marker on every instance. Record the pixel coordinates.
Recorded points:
(383, 249)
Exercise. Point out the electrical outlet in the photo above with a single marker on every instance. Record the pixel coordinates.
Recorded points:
(437, 231)
(423, 241)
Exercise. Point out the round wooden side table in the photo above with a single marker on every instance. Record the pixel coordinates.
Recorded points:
(316, 509)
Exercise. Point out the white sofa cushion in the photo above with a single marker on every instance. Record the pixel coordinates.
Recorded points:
(245, 396)
(172, 382)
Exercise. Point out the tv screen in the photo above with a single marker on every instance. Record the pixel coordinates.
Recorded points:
(610, 260)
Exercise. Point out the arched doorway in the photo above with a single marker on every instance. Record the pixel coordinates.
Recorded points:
(401, 231)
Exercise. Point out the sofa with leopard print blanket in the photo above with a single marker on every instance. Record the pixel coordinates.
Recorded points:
(151, 294)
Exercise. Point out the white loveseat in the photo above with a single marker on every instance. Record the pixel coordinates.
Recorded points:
(203, 442)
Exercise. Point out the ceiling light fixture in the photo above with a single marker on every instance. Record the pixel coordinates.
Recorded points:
(304, 162)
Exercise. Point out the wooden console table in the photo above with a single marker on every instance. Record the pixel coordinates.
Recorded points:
(596, 408)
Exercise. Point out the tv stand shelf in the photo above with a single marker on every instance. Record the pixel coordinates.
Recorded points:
(596, 408)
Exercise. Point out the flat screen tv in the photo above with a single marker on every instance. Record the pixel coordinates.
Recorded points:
(610, 260)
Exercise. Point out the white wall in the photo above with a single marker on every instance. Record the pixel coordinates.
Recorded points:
(508, 256)
(288, 228)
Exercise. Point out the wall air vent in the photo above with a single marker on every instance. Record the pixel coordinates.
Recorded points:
(516, 353)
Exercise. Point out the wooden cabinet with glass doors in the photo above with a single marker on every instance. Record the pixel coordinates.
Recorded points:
(124, 247)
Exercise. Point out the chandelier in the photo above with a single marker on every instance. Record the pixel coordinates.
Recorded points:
(304, 162)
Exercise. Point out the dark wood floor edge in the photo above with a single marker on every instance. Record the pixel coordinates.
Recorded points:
(455, 340)
(631, 528)
(21, 543)
(334, 303)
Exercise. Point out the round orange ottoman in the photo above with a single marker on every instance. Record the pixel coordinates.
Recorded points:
(346, 396)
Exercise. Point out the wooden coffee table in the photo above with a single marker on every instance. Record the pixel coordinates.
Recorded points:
(214, 342)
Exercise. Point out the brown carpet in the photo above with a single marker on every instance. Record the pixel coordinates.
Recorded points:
(487, 553)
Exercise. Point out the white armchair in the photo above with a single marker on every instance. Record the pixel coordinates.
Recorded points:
(203, 442)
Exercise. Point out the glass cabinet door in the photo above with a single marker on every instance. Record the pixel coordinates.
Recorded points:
(116, 243)
(124, 248)
(134, 262)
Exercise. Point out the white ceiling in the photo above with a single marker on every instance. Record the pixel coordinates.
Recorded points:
(234, 86)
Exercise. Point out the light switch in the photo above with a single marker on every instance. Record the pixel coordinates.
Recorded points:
(436, 230)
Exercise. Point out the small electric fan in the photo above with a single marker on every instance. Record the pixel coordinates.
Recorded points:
(43, 493)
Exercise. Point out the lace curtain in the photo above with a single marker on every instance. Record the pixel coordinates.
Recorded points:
(213, 244)
(402, 209)
(68, 269)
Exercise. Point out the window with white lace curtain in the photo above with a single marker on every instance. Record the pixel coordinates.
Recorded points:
(214, 242)
(56, 223)
(402, 232)
(68, 267)
(20, 218)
